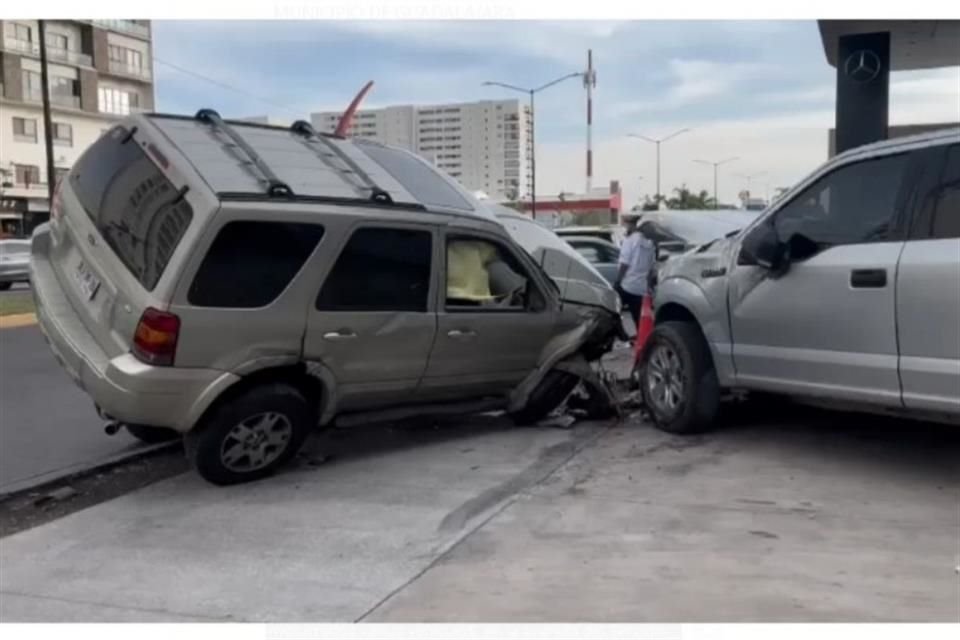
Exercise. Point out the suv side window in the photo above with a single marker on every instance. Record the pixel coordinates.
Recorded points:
(851, 205)
(945, 199)
(380, 269)
(250, 263)
(483, 275)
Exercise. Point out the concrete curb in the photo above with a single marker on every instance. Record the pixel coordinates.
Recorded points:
(83, 468)
(15, 320)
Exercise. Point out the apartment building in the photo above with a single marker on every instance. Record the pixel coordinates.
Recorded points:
(99, 71)
(485, 145)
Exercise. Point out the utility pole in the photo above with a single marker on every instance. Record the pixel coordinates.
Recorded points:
(47, 120)
(716, 201)
(533, 149)
(657, 142)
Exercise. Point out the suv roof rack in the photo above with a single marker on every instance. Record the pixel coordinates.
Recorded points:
(308, 133)
(275, 186)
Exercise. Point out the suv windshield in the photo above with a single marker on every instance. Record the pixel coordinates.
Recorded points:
(134, 207)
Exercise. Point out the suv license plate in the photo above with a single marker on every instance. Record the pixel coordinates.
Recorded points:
(88, 282)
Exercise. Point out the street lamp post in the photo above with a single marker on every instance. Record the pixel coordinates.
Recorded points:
(533, 125)
(750, 176)
(715, 165)
(657, 142)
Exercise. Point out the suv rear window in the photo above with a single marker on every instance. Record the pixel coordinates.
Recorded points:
(416, 176)
(250, 263)
(134, 207)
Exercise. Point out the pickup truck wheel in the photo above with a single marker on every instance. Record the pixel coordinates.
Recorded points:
(151, 435)
(552, 390)
(251, 435)
(5, 285)
(678, 381)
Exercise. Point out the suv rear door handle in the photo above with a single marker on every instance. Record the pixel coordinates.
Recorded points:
(342, 334)
(868, 278)
(458, 333)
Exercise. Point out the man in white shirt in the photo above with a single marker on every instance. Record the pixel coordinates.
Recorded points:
(637, 256)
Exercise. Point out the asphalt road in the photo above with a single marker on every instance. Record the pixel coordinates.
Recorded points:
(48, 426)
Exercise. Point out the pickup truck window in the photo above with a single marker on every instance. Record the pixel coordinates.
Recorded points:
(851, 205)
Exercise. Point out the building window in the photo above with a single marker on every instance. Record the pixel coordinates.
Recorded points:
(27, 174)
(126, 59)
(22, 32)
(31, 85)
(62, 134)
(57, 41)
(116, 101)
(25, 129)
(63, 88)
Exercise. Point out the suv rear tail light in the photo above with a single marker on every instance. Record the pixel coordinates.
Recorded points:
(155, 340)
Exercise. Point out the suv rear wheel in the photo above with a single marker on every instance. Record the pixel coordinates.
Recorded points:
(250, 436)
(677, 379)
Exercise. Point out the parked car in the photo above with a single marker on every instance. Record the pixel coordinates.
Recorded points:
(846, 293)
(14, 262)
(611, 233)
(603, 255)
(318, 280)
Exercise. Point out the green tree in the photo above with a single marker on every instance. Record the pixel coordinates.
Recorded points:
(685, 199)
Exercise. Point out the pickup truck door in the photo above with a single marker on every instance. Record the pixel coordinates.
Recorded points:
(928, 289)
(827, 327)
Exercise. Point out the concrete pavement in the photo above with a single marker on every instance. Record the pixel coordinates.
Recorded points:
(48, 426)
(854, 519)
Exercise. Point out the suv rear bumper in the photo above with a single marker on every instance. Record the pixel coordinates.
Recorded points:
(123, 387)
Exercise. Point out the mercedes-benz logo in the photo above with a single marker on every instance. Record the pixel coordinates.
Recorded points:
(862, 66)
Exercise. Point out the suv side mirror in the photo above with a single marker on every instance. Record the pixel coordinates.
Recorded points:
(763, 248)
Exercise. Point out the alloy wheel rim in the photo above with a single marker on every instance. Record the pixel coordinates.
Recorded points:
(256, 442)
(665, 379)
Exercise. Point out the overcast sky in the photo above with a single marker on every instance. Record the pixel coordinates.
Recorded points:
(760, 90)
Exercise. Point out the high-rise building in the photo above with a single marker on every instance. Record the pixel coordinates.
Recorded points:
(99, 71)
(484, 145)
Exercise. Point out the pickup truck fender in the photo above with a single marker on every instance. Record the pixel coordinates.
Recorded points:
(679, 298)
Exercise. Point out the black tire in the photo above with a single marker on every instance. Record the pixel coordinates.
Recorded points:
(4, 286)
(151, 435)
(552, 390)
(699, 398)
(205, 444)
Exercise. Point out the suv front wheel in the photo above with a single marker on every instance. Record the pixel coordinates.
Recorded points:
(677, 379)
(251, 435)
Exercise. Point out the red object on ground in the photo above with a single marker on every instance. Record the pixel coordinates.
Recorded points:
(644, 327)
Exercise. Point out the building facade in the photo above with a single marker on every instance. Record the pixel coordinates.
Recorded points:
(99, 71)
(484, 145)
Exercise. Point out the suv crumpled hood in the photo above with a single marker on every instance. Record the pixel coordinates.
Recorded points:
(579, 282)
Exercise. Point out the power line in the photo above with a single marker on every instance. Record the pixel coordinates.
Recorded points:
(225, 85)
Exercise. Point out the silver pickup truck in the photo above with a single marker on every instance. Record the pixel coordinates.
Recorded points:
(846, 292)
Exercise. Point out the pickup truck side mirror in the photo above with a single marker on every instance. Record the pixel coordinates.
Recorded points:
(762, 247)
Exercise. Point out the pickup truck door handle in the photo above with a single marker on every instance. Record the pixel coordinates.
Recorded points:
(342, 334)
(461, 334)
(868, 278)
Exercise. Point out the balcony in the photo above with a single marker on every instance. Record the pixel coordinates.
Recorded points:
(123, 69)
(68, 56)
(124, 26)
(21, 46)
(71, 102)
(25, 47)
